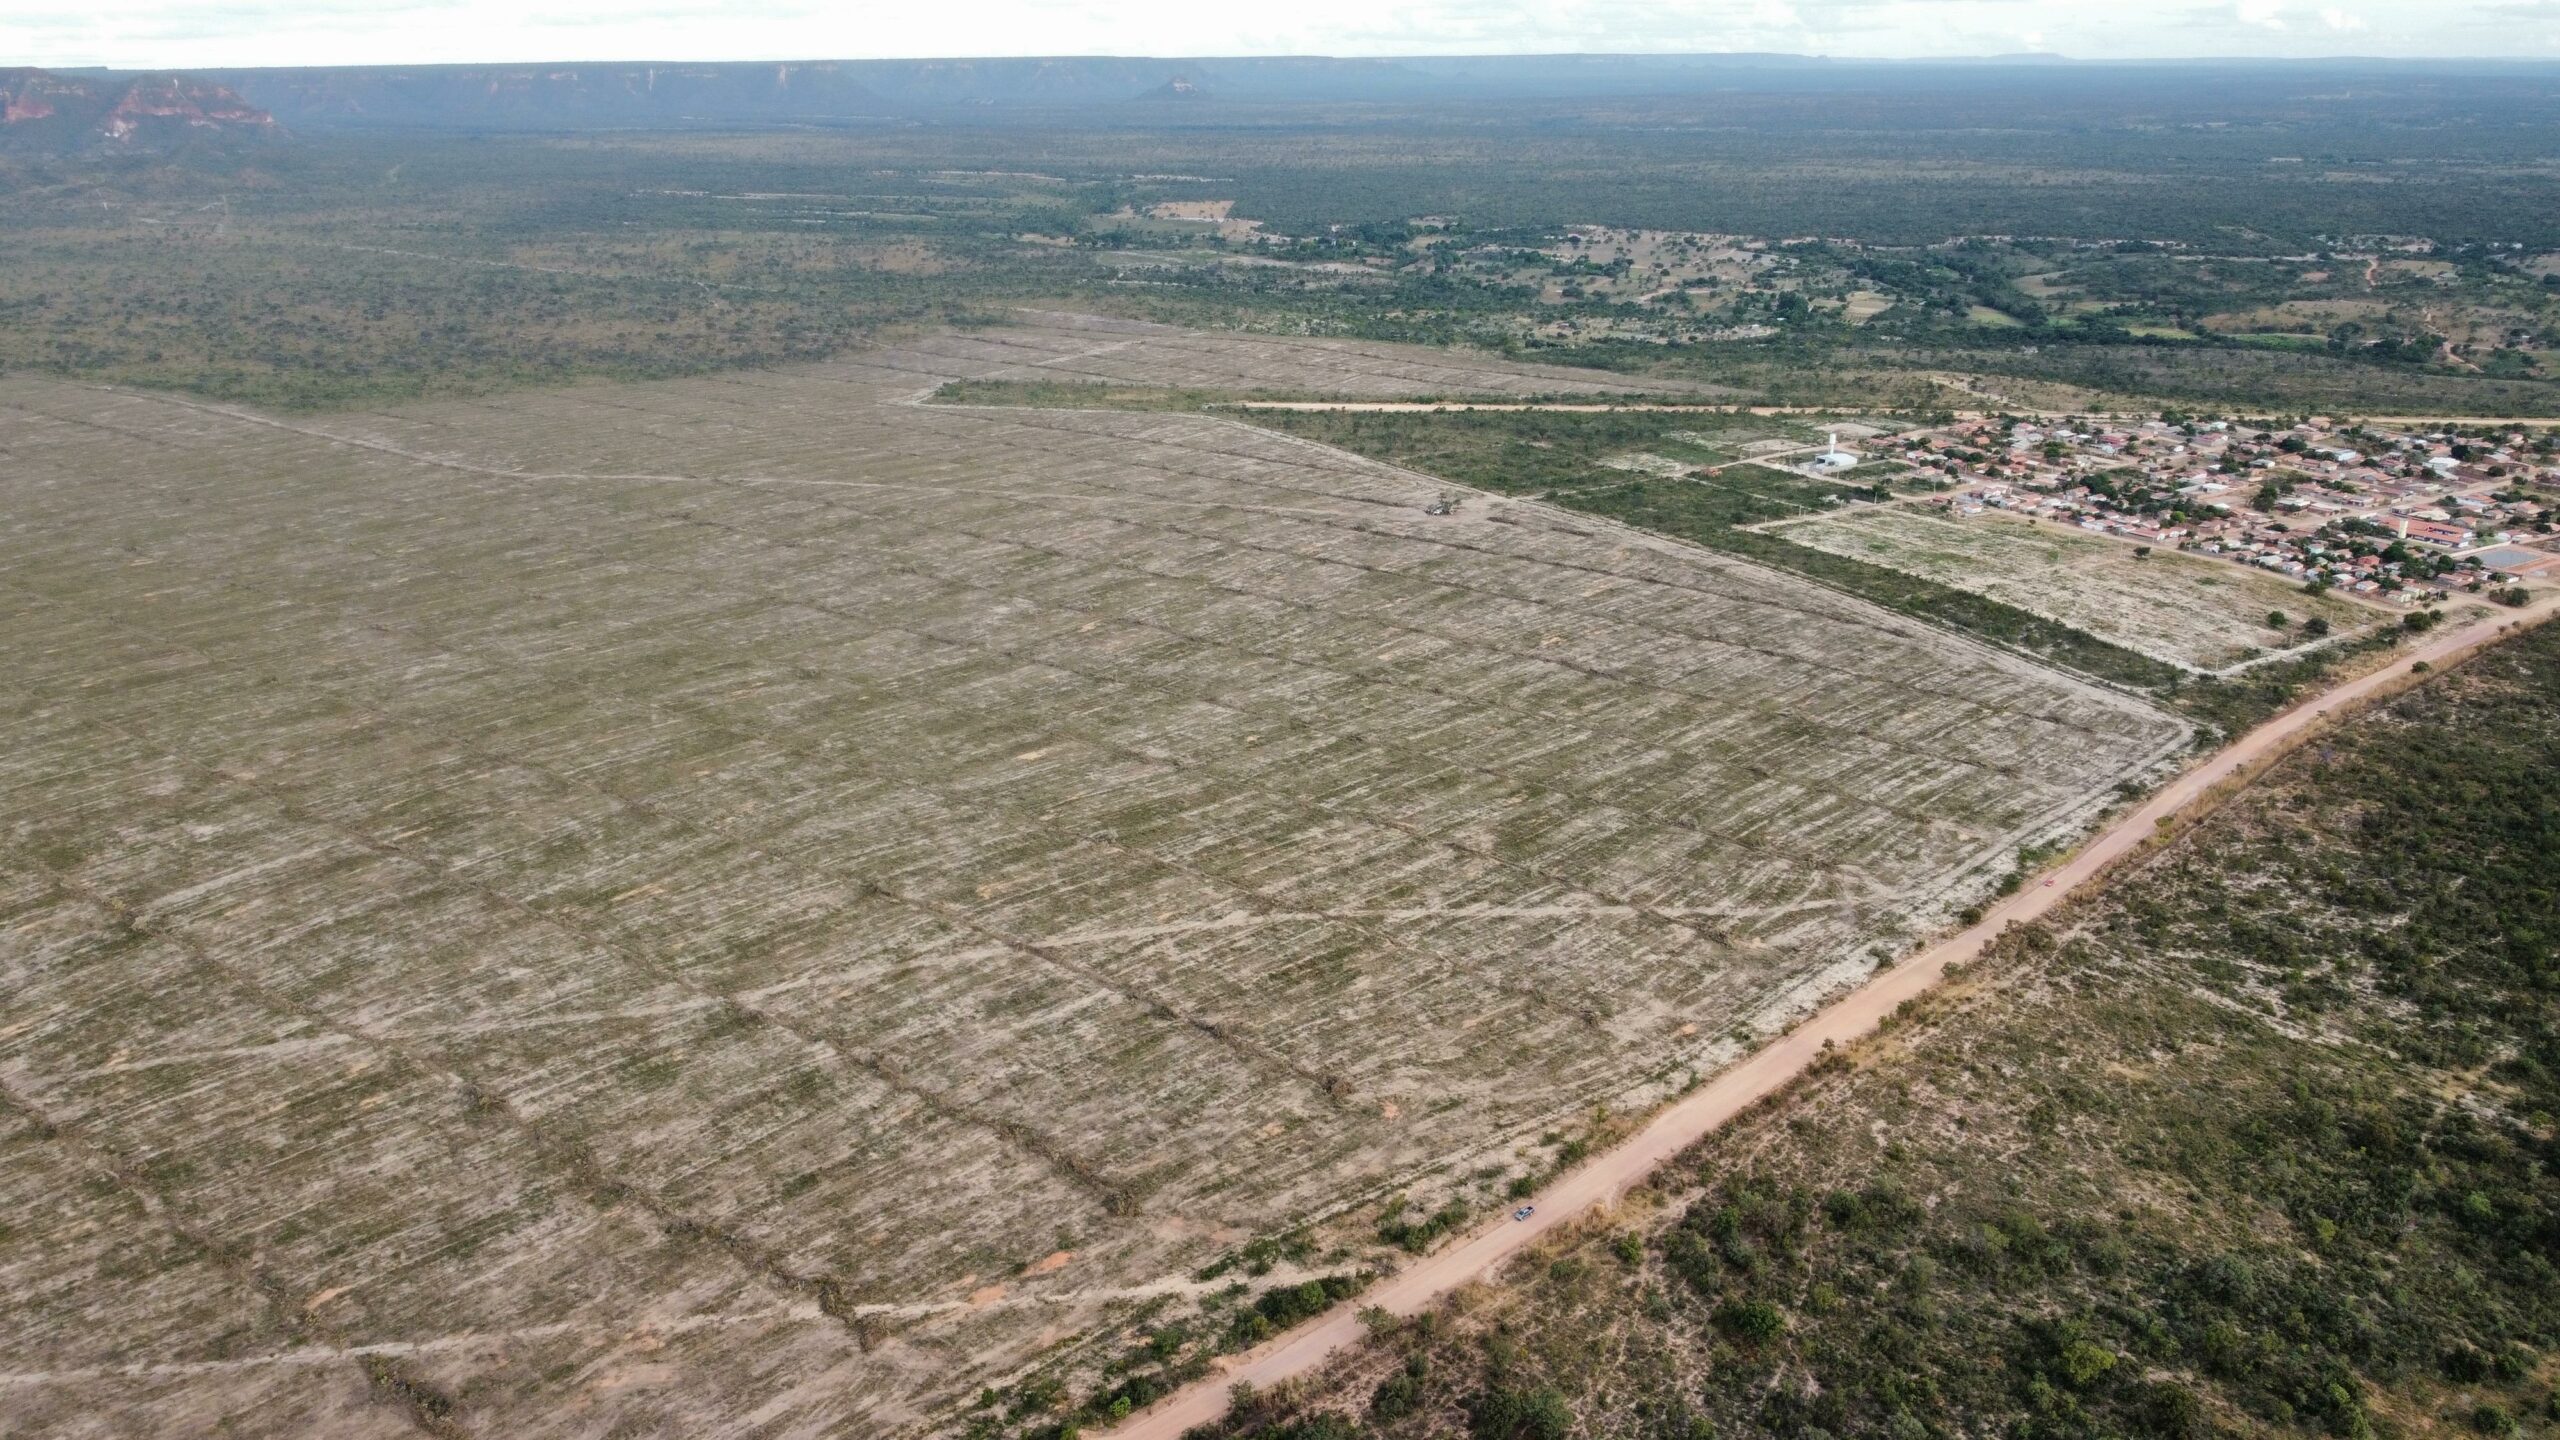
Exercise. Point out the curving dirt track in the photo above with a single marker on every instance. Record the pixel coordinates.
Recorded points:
(1609, 1175)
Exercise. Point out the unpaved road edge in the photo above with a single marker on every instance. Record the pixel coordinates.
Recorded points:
(1599, 1182)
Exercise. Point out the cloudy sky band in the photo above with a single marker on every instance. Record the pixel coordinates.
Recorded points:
(223, 33)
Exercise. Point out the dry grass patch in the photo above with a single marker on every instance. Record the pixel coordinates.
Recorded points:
(2185, 609)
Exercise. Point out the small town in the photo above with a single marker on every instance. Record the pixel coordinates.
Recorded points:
(2400, 517)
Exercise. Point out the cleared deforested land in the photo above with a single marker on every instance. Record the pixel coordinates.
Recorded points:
(1054, 347)
(752, 905)
(2185, 609)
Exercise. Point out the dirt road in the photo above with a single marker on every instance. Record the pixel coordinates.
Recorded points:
(1426, 407)
(1561, 407)
(2414, 422)
(1700, 1113)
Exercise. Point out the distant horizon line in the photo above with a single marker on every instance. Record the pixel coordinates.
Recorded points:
(2004, 58)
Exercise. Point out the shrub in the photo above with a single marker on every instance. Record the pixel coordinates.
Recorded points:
(2493, 1420)
(2464, 1365)
(2083, 1364)
(1506, 1413)
(1692, 1259)
(1322, 1426)
(1397, 1396)
(2172, 1412)
(1881, 1207)
(1282, 1306)
(1755, 1321)
(1417, 1236)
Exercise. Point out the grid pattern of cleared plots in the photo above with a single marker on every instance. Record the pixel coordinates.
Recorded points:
(752, 906)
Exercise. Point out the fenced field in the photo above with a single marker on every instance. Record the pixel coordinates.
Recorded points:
(2203, 613)
(755, 905)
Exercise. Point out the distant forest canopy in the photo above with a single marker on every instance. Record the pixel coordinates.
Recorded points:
(2248, 156)
(1823, 93)
(2333, 236)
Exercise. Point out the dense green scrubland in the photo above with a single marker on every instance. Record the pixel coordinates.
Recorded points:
(2045, 232)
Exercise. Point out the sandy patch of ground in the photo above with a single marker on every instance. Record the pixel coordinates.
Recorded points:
(1645, 462)
(1865, 305)
(1219, 215)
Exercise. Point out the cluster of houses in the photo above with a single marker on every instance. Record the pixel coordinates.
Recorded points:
(2399, 517)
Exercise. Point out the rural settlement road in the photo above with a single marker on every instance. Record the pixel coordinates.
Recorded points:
(1588, 407)
(1514, 407)
(1608, 1175)
(1708, 408)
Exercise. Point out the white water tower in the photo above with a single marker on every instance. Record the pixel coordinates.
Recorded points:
(1834, 460)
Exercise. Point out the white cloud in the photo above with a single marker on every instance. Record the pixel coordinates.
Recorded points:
(179, 33)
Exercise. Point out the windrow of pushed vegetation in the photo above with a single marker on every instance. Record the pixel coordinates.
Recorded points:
(2261, 1140)
(910, 886)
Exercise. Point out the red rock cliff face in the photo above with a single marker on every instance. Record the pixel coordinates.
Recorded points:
(178, 100)
(63, 112)
(27, 96)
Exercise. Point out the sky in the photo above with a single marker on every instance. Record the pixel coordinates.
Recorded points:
(177, 34)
